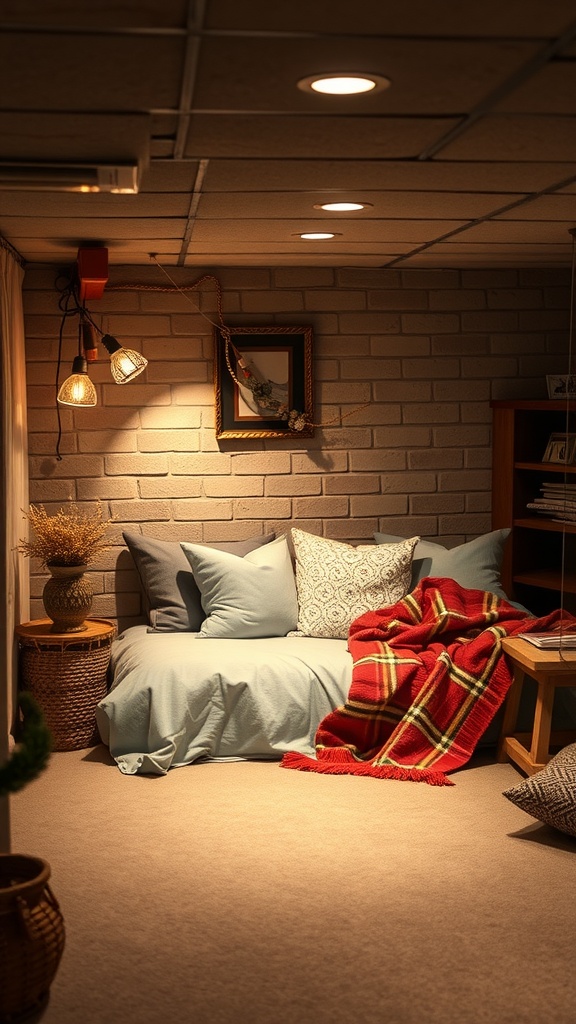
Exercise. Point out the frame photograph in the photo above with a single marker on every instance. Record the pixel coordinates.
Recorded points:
(561, 448)
(261, 375)
(561, 385)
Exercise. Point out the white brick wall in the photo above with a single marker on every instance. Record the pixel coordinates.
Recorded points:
(427, 349)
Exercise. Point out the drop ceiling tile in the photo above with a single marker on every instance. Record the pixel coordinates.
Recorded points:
(484, 249)
(529, 232)
(101, 227)
(407, 205)
(305, 136)
(57, 250)
(291, 175)
(284, 260)
(90, 72)
(262, 73)
(66, 14)
(553, 207)
(508, 137)
(161, 149)
(102, 138)
(39, 205)
(458, 261)
(552, 90)
(276, 230)
(337, 249)
(169, 176)
(515, 18)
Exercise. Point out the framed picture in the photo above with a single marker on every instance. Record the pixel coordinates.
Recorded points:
(561, 448)
(263, 382)
(561, 385)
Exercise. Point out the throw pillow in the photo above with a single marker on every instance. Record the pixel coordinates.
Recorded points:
(550, 794)
(474, 565)
(337, 582)
(171, 596)
(244, 598)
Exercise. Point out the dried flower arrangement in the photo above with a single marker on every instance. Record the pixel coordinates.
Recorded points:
(69, 537)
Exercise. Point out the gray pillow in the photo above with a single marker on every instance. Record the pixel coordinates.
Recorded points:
(550, 794)
(245, 598)
(171, 596)
(474, 565)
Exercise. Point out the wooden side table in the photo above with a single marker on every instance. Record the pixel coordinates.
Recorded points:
(66, 675)
(531, 752)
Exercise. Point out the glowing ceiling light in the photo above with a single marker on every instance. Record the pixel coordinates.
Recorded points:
(344, 84)
(341, 207)
(314, 236)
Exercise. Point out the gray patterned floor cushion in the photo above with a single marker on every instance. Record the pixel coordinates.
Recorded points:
(550, 794)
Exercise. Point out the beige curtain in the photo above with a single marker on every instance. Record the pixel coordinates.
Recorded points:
(15, 598)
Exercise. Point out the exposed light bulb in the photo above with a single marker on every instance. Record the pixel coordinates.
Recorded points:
(125, 363)
(78, 389)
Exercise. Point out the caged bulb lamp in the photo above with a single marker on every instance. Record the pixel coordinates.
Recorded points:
(78, 389)
(125, 363)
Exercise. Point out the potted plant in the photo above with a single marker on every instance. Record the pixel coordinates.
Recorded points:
(66, 543)
(32, 933)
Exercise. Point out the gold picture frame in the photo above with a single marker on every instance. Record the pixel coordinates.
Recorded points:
(261, 375)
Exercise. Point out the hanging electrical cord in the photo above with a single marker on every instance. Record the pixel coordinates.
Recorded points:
(260, 388)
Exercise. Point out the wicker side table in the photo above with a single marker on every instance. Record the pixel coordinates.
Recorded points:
(66, 674)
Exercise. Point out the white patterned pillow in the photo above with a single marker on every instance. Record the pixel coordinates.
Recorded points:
(550, 794)
(337, 582)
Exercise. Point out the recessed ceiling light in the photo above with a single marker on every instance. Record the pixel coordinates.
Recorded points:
(341, 207)
(315, 236)
(344, 84)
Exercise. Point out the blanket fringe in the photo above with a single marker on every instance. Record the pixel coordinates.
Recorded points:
(375, 771)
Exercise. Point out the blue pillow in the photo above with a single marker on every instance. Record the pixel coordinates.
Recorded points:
(474, 565)
(245, 598)
(171, 597)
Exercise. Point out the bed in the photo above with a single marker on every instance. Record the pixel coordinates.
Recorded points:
(245, 648)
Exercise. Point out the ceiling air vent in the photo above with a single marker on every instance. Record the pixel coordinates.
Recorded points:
(30, 177)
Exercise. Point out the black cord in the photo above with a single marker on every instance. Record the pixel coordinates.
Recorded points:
(69, 305)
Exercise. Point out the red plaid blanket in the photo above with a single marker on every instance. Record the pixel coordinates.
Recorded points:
(428, 677)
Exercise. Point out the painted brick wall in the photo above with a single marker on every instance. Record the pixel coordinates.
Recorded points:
(427, 349)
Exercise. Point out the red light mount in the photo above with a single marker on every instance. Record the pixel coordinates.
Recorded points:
(92, 272)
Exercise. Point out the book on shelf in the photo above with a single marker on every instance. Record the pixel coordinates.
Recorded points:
(560, 485)
(552, 509)
(550, 641)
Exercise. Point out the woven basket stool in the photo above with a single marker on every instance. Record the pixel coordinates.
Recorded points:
(32, 936)
(66, 674)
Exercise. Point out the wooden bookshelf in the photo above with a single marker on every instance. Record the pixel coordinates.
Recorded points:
(539, 568)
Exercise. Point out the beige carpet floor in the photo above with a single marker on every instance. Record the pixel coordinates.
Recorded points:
(242, 893)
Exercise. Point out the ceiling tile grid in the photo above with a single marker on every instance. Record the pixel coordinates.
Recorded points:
(467, 159)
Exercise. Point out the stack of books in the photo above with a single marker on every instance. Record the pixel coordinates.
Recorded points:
(558, 501)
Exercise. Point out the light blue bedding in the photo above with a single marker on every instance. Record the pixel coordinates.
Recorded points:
(177, 698)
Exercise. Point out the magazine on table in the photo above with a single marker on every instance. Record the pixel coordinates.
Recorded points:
(550, 641)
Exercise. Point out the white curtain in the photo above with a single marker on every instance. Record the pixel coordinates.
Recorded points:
(15, 601)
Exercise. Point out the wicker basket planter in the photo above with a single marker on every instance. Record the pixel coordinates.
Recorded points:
(32, 936)
(67, 676)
